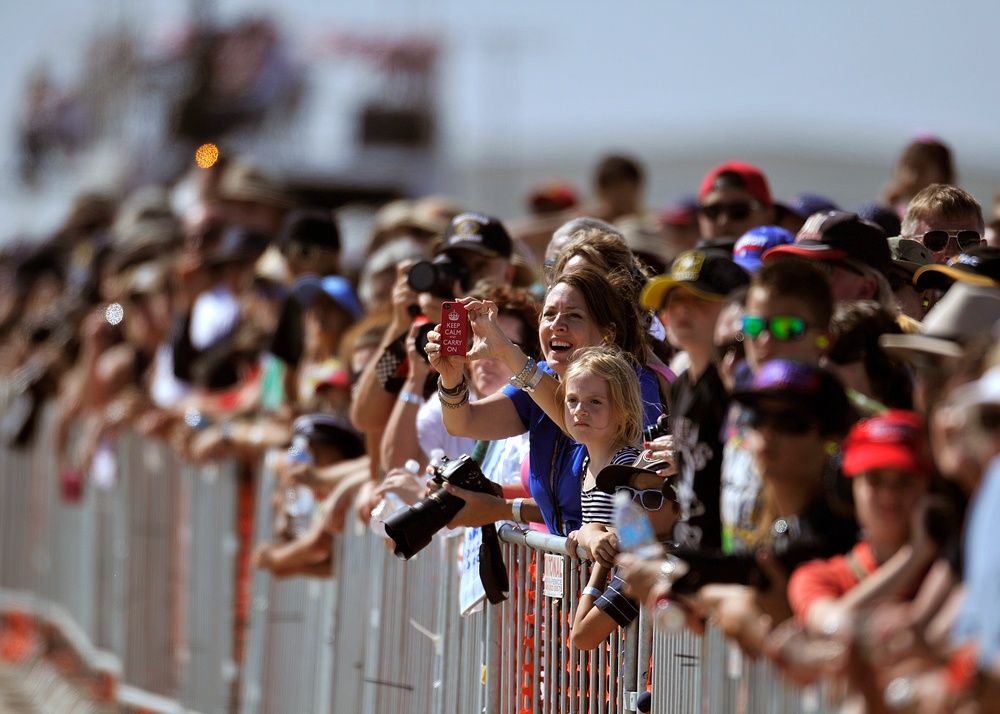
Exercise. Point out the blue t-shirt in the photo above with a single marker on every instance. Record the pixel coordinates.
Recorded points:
(556, 461)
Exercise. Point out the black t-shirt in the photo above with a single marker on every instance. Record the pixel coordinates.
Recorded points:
(698, 413)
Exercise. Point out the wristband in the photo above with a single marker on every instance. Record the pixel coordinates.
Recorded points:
(535, 379)
(453, 391)
(516, 510)
(592, 591)
(411, 398)
(525, 373)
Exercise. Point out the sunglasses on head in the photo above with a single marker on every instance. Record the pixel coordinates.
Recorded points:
(936, 241)
(650, 499)
(780, 327)
(787, 421)
(737, 210)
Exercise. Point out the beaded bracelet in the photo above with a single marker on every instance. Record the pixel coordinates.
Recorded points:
(455, 405)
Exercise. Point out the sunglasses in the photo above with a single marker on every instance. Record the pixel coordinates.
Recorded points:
(304, 251)
(649, 499)
(737, 210)
(784, 422)
(936, 241)
(780, 327)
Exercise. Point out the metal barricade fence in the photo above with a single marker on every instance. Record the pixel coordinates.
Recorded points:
(138, 573)
(145, 572)
(290, 631)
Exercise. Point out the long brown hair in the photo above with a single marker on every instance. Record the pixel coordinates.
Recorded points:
(611, 299)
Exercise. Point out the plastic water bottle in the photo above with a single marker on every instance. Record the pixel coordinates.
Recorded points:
(635, 532)
(390, 503)
(670, 616)
(299, 500)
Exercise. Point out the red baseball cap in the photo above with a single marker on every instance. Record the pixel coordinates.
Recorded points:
(891, 440)
(740, 175)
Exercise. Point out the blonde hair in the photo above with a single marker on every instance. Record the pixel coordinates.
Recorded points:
(615, 366)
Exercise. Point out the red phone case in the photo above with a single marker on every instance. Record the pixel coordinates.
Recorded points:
(454, 329)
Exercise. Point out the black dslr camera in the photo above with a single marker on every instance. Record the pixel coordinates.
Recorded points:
(660, 428)
(411, 529)
(438, 277)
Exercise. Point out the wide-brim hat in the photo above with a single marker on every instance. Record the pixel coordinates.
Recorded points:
(965, 311)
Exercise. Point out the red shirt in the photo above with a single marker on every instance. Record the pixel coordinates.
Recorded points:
(829, 579)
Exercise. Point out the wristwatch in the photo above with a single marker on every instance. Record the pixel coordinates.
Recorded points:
(530, 385)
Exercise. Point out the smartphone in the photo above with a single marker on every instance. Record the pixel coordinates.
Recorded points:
(454, 329)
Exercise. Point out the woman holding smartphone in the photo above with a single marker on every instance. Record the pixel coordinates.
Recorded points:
(583, 308)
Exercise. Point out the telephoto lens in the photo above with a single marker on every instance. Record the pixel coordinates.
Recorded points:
(412, 529)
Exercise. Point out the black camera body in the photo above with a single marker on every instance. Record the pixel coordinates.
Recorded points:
(660, 428)
(412, 528)
(438, 276)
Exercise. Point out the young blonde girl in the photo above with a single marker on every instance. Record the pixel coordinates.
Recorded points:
(602, 409)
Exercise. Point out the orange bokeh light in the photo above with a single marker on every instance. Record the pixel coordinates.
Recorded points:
(206, 155)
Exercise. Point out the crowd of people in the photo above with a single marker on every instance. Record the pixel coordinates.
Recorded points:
(803, 401)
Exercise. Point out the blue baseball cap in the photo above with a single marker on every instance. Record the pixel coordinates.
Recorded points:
(339, 290)
(749, 249)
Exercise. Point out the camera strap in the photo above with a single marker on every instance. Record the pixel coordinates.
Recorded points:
(492, 570)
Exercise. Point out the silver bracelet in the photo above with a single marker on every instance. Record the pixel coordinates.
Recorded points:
(535, 379)
(525, 373)
(592, 591)
(411, 398)
(516, 510)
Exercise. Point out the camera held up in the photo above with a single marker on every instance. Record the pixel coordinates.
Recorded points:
(438, 276)
(412, 529)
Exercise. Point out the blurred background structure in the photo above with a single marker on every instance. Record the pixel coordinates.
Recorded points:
(481, 101)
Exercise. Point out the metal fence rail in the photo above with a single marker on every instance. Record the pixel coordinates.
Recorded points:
(144, 575)
(139, 572)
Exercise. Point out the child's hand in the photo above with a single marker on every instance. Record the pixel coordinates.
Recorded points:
(600, 544)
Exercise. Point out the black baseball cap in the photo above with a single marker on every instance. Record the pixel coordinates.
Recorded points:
(811, 389)
(311, 227)
(708, 274)
(477, 233)
(979, 266)
(839, 235)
